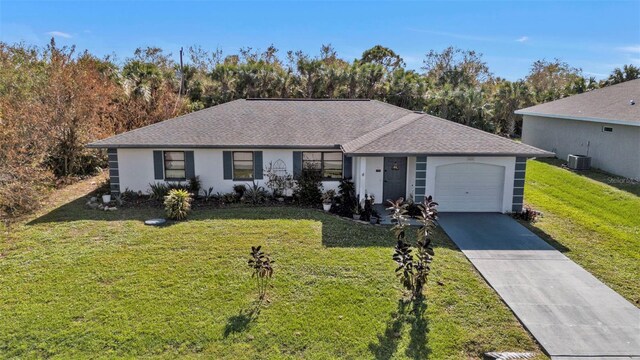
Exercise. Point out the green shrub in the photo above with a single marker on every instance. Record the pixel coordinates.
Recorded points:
(309, 187)
(194, 185)
(158, 191)
(239, 190)
(228, 198)
(347, 201)
(177, 204)
(255, 194)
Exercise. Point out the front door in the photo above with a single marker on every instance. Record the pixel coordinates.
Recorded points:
(395, 178)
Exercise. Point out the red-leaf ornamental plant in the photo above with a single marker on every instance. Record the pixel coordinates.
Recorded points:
(262, 270)
(412, 272)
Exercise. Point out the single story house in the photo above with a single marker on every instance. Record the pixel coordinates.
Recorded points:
(603, 124)
(388, 151)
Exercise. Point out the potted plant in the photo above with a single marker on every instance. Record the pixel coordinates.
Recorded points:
(327, 199)
(356, 212)
(106, 198)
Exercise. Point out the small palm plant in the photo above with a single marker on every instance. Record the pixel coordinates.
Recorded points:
(412, 272)
(177, 204)
(262, 270)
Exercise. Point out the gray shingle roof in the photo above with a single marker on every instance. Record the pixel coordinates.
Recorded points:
(358, 126)
(430, 135)
(264, 123)
(609, 104)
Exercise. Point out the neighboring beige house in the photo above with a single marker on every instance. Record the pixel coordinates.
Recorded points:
(603, 124)
(389, 152)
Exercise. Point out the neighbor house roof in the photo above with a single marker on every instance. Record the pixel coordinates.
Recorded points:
(616, 104)
(357, 126)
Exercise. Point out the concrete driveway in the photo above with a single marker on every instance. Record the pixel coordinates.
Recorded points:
(570, 313)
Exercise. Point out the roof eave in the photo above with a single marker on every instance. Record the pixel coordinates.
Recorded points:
(193, 146)
(578, 118)
(527, 155)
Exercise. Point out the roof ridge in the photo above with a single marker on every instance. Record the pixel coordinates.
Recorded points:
(371, 136)
(391, 105)
(305, 99)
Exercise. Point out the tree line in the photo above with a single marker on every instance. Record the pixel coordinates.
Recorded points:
(54, 100)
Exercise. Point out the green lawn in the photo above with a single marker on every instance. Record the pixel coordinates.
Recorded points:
(79, 283)
(593, 217)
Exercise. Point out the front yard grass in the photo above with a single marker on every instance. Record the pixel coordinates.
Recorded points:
(79, 283)
(593, 217)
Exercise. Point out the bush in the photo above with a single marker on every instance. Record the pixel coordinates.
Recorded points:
(22, 188)
(17, 199)
(328, 196)
(527, 214)
(207, 194)
(309, 187)
(194, 185)
(158, 191)
(228, 198)
(347, 201)
(255, 194)
(239, 189)
(413, 209)
(177, 204)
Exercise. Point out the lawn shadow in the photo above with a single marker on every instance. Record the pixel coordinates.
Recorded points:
(77, 210)
(544, 236)
(336, 231)
(241, 322)
(408, 313)
(619, 182)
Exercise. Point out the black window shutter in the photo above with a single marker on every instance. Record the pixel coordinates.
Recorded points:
(297, 164)
(189, 165)
(257, 165)
(227, 165)
(158, 166)
(347, 164)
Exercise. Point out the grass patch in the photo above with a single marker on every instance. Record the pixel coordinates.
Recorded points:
(594, 223)
(84, 283)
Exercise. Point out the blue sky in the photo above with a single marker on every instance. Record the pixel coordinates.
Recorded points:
(595, 36)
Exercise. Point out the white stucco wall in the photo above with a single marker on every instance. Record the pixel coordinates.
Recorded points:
(617, 152)
(137, 172)
(369, 180)
(433, 162)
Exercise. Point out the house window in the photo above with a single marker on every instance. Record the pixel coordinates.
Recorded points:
(328, 164)
(607, 129)
(174, 165)
(242, 165)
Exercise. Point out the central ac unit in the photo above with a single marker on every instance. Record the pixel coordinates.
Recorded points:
(579, 162)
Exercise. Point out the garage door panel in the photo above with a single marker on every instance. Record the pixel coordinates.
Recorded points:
(469, 187)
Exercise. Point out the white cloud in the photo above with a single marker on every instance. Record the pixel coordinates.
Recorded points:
(59, 34)
(523, 39)
(631, 48)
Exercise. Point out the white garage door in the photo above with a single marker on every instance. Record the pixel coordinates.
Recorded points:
(469, 187)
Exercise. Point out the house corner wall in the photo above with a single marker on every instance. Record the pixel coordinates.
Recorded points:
(615, 152)
(114, 175)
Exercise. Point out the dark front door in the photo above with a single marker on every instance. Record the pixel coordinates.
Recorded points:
(395, 178)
